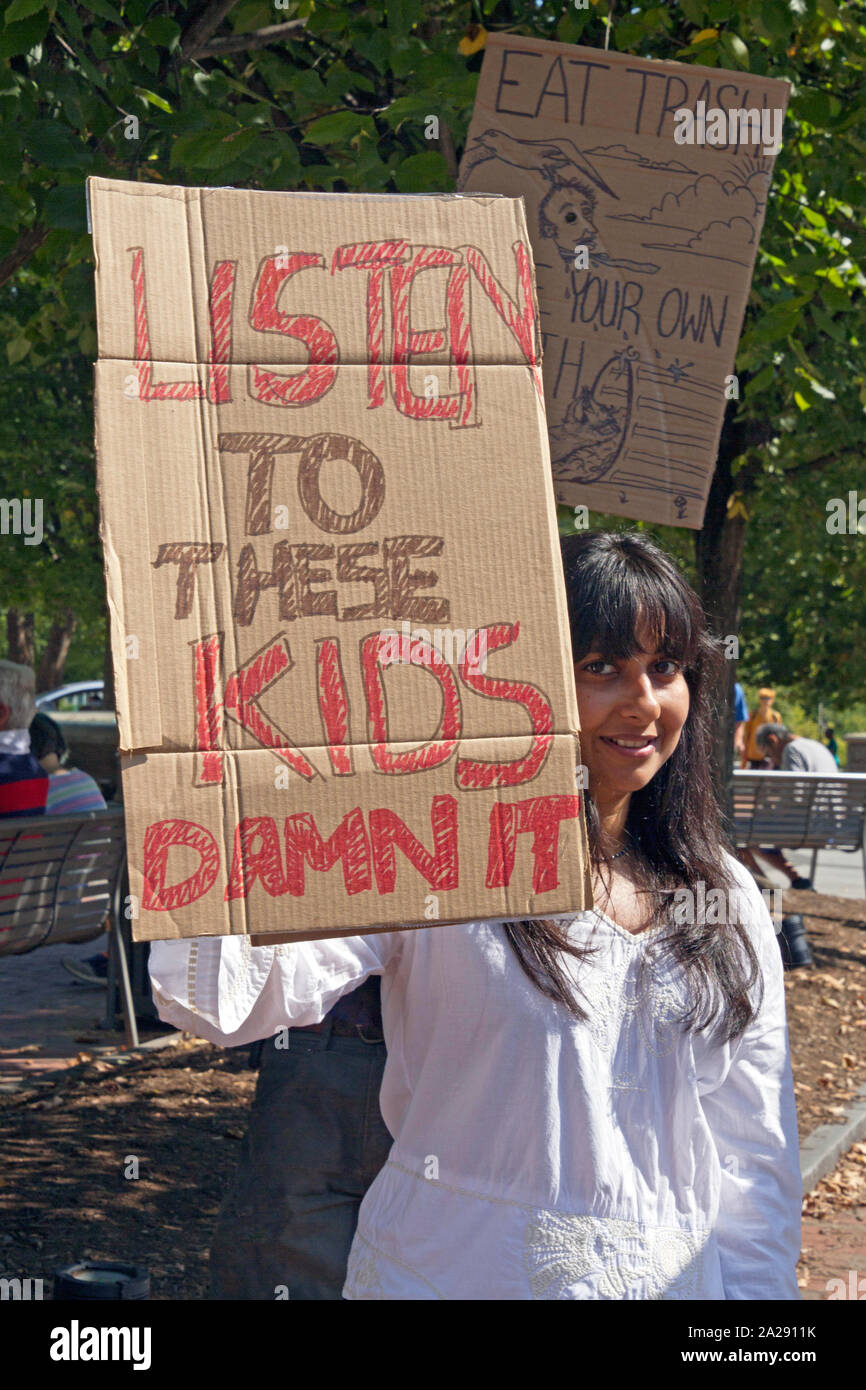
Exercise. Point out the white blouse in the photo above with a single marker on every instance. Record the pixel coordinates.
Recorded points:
(536, 1157)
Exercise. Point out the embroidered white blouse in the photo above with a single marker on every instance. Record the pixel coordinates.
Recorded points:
(536, 1157)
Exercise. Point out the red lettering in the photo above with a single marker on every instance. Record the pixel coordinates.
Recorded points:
(349, 843)
(295, 388)
(222, 294)
(221, 300)
(407, 344)
(440, 868)
(472, 773)
(158, 840)
(374, 257)
(378, 652)
(264, 863)
(520, 317)
(206, 655)
(540, 817)
(242, 692)
(334, 704)
(239, 700)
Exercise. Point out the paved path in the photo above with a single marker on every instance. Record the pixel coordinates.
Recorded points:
(47, 1017)
(837, 872)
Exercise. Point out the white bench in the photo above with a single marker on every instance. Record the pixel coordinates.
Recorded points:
(60, 878)
(800, 810)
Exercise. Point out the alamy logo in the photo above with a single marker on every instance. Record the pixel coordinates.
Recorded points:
(22, 518)
(76, 1343)
(739, 126)
(21, 1290)
(421, 647)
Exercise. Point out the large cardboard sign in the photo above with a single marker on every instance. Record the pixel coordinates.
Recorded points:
(343, 673)
(646, 187)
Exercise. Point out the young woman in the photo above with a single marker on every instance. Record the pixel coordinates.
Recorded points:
(597, 1106)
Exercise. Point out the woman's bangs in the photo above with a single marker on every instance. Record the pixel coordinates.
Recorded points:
(627, 604)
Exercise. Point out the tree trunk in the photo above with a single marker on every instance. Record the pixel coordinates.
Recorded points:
(719, 548)
(19, 636)
(55, 651)
(108, 668)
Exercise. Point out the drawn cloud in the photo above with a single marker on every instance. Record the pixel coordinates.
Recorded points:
(724, 241)
(698, 205)
(623, 152)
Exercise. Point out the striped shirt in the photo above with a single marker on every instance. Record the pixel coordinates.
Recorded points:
(72, 790)
(23, 785)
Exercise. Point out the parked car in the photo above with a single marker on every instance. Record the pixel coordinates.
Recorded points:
(78, 695)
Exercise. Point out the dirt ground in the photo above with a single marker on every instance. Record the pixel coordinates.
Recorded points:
(74, 1140)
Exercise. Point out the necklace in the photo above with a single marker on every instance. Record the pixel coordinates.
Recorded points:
(618, 853)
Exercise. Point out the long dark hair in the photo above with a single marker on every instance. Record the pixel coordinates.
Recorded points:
(616, 583)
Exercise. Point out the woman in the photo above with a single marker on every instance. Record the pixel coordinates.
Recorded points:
(599, 1106)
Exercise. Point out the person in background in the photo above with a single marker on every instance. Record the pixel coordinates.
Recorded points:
(741, 719)
(753, 756)
(788, 753)
(830, 740)
(23, 782)
(69, 791)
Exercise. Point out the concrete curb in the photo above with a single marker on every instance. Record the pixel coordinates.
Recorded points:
(826, 1145)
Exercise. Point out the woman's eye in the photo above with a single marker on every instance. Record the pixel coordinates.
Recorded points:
(674, 667)
(571, 217)
(596, 668)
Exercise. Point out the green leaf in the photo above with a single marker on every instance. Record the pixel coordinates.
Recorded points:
(414, 108)
(10, 214)
(87, 341)
(733, 49)
(423, 173)
(336, 129)
(375, 48)
(802, 402)
(153, 99)
(22, 9)
(163, 32)
(17, 349)
(204, 150)
(104, 10)
(812, 106)
(53, 144)
(65, 207)
(21, 37)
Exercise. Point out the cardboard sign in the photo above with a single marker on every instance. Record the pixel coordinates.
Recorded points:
(646, 187)
(343, 672)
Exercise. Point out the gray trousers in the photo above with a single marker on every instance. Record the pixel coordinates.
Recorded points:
(315, 1142)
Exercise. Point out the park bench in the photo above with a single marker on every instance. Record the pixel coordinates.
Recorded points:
(800, 810)
(60, 878)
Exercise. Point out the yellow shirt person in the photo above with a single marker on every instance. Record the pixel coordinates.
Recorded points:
(764, 714)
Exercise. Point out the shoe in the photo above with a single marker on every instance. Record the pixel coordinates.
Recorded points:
(804, 884)
(83, 971)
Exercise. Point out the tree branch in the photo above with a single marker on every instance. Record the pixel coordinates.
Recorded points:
(257, 38)
(447, 150)
(201, 29)
(813, 465)
(27, 243)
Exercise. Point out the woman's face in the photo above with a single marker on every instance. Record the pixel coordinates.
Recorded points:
(631, 716)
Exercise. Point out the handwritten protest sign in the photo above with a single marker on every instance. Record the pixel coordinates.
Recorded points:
(646, 187)
(341, 647)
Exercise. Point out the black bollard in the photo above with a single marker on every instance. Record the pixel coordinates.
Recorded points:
(793, 942)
